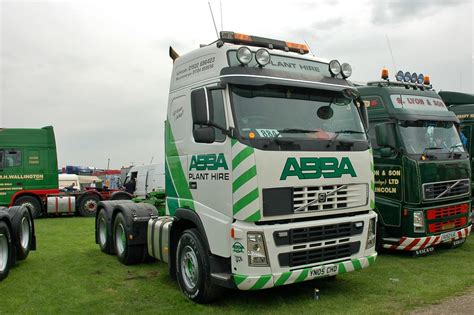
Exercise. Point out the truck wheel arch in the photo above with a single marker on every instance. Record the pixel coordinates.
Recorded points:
(185, 219)
(29, 194)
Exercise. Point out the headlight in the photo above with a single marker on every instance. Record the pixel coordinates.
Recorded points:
(400, 76)
(256, 250)
(371, 235)
(244, 55)
(418, 221)
(407, 77)
(263, 57)
(421, 78)
(334, 67)
(346, 70)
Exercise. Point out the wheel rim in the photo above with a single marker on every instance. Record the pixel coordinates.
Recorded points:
(102, 231)
(189, 267)
(25, 233)
(90, 205)
(3, 252)
(120, 239)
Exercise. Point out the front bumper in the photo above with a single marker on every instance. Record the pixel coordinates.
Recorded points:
(417, 243)
(243, 282)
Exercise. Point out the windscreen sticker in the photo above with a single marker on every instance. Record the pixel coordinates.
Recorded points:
(268, 133)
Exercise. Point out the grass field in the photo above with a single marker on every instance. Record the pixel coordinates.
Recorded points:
(68, 273)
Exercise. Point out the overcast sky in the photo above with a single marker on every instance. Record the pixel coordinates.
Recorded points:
(99, 71)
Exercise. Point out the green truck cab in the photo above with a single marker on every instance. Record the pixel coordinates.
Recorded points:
(462, 104)
(28, 165)
(422, 171)
(29, 176)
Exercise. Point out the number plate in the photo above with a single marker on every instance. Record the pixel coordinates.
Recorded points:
(448, 236)
(324, 271)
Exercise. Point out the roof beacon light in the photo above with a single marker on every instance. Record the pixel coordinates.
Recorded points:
(244, 55)
(384, 75)
(399, 76)
(414, 77)
(427, 80)
(263, 57)
(346, 70)
(421, 78)
(407, 77)
(334, 67)
(239, 39)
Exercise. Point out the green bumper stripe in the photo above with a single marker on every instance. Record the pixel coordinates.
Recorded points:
(342, 268)
(238, 279)
(282, 279)
(245, 177)
(372, 204)
(371, 260)
(254, 217)
(241, 156)
(372, 186)
(302, 276)
(357, 265)
(245, 200)
(372, 167)
(261, 282)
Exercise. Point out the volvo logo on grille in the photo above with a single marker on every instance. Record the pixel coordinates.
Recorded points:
(322, 197)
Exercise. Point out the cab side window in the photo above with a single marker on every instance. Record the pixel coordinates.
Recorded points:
(12, 158)
(1, 158)
(219, 112)
(216, 96)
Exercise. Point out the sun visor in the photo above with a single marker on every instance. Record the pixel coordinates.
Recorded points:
(258, 76)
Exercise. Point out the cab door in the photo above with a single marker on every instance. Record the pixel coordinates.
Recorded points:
(12, 173)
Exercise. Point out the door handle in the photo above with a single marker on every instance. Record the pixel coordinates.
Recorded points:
(19, 184)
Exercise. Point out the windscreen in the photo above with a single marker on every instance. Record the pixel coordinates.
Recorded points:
(295, 113)
(422, 136)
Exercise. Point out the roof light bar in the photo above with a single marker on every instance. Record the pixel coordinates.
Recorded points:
(237, 38)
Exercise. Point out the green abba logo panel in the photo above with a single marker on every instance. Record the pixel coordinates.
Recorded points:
(208, 162)
(313, 168)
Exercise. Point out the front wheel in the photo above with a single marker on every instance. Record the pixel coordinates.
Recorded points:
(5, 250)
(193, 268)
(88, 205)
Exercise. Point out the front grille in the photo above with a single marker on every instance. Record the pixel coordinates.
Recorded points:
(441, 190)
(345, 196)
(449, 211)
(313, 256)
(447, 225)
(317, 233)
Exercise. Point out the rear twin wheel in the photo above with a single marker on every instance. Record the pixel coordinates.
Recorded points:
(5, 250)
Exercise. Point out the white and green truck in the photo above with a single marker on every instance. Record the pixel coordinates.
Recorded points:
(269, 174)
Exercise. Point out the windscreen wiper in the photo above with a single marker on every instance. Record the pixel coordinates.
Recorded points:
(451, 148)
(276, 139)
(343, 131)
(430, 149)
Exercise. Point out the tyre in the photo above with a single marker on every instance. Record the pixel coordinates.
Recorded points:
(88, 205)
(6, 249)
(127, 254)
(22, 224)
(105, 241)
(32, 203)
(193, 268)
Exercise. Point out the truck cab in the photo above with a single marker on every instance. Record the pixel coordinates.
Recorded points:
(422, 171)
(267, 168)
(462, 104)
